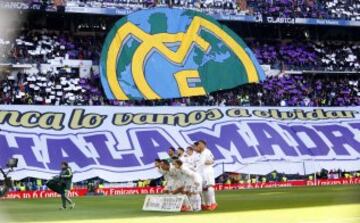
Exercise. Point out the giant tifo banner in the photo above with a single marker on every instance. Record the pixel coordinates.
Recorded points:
(170, 53)
(120, 144)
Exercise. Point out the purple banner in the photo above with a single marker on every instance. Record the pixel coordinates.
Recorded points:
(120, 143)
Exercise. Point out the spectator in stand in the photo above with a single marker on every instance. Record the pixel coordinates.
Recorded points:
(322, 9)
(291, 90)
(39, 47)
(309, 55)
(63, 86)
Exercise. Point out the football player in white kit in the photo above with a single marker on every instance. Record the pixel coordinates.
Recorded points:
(189, 158)
(205, 168)
(171, 175)
(192, 184)
(180, 152)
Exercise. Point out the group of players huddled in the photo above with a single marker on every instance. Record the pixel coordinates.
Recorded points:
(190, 172)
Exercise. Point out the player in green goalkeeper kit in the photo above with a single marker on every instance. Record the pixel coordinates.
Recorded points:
(66, 176)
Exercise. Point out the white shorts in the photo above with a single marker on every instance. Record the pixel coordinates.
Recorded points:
(170, 187)
(173, 185)
(208, 178)
(192, 188)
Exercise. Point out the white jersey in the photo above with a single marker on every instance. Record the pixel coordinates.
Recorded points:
(190, 161)
(204, 157)
(206, 171)
(183, 158)
(192, 180)
(192, 185)
(173, 178)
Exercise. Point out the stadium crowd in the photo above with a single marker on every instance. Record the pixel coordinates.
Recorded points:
(52, 88)
(323, 9)
(287, 90)
(63, 86)
(40, 46)
(308, 55)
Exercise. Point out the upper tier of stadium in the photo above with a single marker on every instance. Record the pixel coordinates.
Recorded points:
(41, 46)
(348, 10)
(53, 59)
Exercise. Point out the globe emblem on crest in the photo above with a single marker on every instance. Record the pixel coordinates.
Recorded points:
(171, 53)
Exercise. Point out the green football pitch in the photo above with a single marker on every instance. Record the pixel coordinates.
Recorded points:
(303, 204)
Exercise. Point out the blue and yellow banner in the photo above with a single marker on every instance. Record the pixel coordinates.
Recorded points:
(170, 53)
